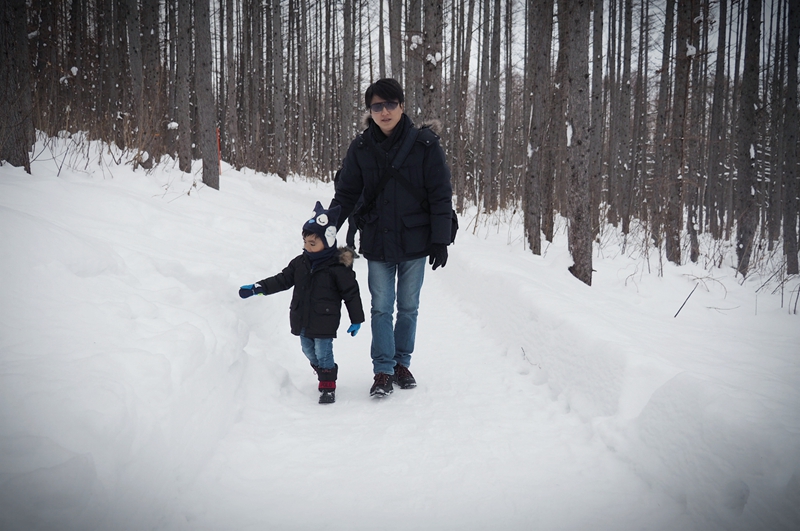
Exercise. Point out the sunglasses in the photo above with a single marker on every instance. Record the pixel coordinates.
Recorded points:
(388, 105)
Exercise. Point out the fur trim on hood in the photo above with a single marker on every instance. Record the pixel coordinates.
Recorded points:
(346, 256)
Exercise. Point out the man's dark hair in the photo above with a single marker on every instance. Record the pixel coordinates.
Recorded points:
(387, 88)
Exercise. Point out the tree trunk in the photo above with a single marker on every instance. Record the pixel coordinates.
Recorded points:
(16, 126)
(395, 39)
(460, 99)
(414, 56)
(747, 142)
(348, 77)
(612, 97)
(151, 120)
(537, 89)
(432, 74)
(554, 157)
(774, 179)
(381, 43)
(716, 132)
(731, 203)
(279, 95)
(622, 119)
(232, 134)
(206, 114)
(183, 85)
(792, 141)
(304, 104)
(492, 114)
(638, 167)
(597, 119)
(693, 178)
(660, 179)
(675, 171)
(111, 69)
(577, 19)
(135, 62)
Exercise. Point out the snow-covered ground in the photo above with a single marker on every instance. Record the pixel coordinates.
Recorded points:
(137, 391)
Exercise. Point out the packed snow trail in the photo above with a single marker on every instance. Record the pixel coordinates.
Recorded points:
(474, 446)
(137, 391)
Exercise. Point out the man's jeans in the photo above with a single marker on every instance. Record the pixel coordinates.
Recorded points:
(318, 351)
(394, 342)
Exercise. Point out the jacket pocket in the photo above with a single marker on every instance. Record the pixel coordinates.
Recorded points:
(416, 232)
(326, 316)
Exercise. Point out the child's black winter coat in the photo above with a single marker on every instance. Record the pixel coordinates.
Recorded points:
(317, 298)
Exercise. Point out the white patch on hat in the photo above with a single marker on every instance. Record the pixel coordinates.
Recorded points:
(330, 235)
(322, 219)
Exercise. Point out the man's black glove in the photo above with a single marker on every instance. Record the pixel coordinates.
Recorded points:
(250, 290)
(438, 255)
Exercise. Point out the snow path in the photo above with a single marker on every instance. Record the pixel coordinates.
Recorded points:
(446, 455)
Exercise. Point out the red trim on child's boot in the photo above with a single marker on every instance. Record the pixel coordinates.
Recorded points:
(327, 385)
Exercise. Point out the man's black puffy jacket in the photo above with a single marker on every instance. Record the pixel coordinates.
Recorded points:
(398, 227)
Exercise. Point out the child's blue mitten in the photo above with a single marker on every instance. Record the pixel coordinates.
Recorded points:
(251, 289)
(353, 330)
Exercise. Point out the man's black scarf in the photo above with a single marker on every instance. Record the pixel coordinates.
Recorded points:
(386, 143)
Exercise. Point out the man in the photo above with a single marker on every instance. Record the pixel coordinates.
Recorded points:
(405, 218)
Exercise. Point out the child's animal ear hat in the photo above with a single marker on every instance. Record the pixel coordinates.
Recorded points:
(323, 224)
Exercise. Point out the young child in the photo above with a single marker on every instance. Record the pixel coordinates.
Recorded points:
(322, 278)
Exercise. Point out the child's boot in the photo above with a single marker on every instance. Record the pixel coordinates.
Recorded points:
(327, 384)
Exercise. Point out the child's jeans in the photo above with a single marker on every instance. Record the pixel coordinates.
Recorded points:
(318, 351)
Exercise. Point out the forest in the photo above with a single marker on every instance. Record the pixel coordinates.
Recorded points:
(674, 119)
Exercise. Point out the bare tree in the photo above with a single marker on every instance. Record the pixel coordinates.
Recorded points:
(396, 38)
(576, 19)
(16, 126)
(279, 94)
(206, 128)
(716, 132)
(414, 57)
(638, 163)
(135, 63)
(792, 141)
(675, 166)
(231, 118)
(459, 97)
(622, 120)
(381, 43)
(286, 72)
(660, 186)
(348, 74)
(747, 141)
(183, 85)
(597, 119)
(537, 88)
(151, 121)
(490, 87)
(693, 178)
(432, 72)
